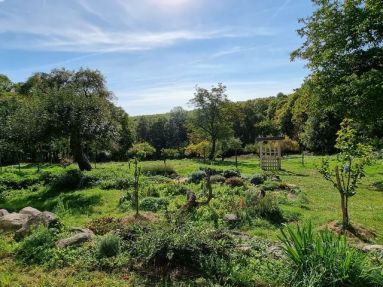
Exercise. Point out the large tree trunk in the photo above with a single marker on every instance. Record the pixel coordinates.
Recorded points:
(78, 153)
(213, 148)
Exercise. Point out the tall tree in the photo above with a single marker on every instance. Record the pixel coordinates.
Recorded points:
(343, 47)
(77, 106)
(211, 119)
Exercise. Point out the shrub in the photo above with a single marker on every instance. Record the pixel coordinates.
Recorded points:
(109, 245)
(270, 186)
(266, 207)
(197, 176)
(175, 189)
(122, 183)
(217, 179)
(257, 179)
(37, 248)
(103, 225)
(231, 173)
(234, 181)
(159, 169)
(154, 204)
(71, 179)
(325, 259)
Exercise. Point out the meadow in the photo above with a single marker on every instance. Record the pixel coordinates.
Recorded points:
(298, 195)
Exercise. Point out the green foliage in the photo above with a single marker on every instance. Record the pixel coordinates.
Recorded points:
(158, 169)
(324, 259)
(109, 245)
(349, 169)
(197, 176)
(211, 119)
(231, 173)
(72, 179)
(121, 184)
(217, 178)
(265, 207)
(154, 204)
(141, 150)
(37, 248)
(257, 179)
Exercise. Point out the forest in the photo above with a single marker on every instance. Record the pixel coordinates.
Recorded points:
(91, 196)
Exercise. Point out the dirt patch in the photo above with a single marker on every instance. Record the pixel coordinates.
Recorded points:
(147, 217)
(355, 233)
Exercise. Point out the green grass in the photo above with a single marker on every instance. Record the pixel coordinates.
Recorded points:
(78, 207)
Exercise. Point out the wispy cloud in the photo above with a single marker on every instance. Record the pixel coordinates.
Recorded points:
(86, 27)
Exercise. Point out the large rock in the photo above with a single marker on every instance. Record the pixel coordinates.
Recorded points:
(30, 211)
(45, 218)
(373, 248)
(82, 235)
(3, 212)
(13, 221)
(231, 218)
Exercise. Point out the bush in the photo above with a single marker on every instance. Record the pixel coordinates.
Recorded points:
(234, 181)
(257, 179)
(325, 259)
(175, 189)
(121, 184)
(231, 173)
(270, 186)
(159, 169)
(197, 176)
(71, 179)
(109, 245)
(103, 225)
(266, 207)
(217, 179)
(154, 204)
(37, 248)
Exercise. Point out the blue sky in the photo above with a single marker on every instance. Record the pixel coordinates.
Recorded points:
(154, 52)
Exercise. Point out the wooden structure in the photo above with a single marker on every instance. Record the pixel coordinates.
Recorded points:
(270, 152)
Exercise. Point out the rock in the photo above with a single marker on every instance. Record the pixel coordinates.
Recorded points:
(29, 211)
(373, 248)
(231, 218)
(45, 218)
(13, 221)
(275, 251)
(245, 248)
(275, 177)
(83, 235)
(3, 212)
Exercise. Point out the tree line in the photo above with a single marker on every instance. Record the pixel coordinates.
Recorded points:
(71, 114)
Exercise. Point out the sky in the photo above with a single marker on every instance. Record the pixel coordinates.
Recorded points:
(153, 53)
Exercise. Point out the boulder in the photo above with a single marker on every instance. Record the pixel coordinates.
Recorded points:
(373, 248)
(30, 211)
(13, 221)
(45, 218)
(231, 218)
(3, 212)
(82, 235)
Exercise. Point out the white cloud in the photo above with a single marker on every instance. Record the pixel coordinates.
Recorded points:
(90, 26)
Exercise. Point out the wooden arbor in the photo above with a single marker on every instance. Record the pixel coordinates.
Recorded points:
(270, 152)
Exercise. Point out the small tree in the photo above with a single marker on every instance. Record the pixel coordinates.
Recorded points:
(137, 173)
(141, 150)
(349, 168)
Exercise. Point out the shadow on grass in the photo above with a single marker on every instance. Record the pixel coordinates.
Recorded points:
(378, 185)
(48, 200)
(287, 172)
